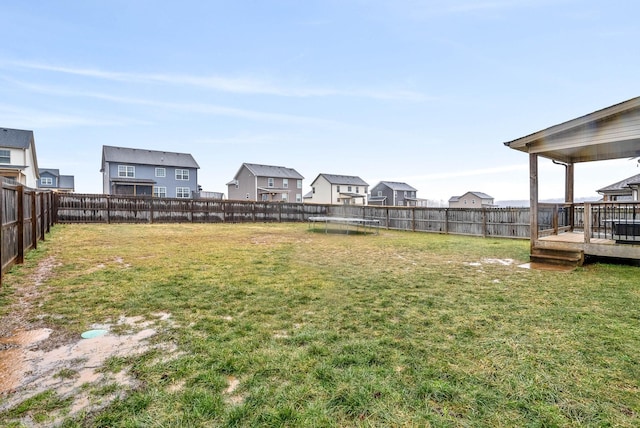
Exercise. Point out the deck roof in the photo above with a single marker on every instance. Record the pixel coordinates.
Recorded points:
(610, 133)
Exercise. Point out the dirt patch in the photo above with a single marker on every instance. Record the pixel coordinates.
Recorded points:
(35, 358)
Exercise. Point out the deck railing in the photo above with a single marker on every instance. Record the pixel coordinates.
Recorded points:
(618, 221)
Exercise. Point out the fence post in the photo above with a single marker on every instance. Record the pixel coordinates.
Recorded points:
(20, 224)
(34, 221)
(2, 208)
(446, 221)
(413, 219)
(484, 222)
(108, 209)
(43, 226)
(151, 210)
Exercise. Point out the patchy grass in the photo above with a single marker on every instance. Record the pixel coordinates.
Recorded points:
(279, 326)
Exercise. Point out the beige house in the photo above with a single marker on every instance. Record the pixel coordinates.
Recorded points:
(471, 200)
(18, 159)
(338, 190)
(254, 182)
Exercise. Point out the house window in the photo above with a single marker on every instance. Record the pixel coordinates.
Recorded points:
(5, 156)
(265, 197)
(313, 190)
(298, 197)
(299, 184)
(338, 189)
(161, 172)
(183, 192)
(270, 182)
(285, 197)
(182, 174)
(349, 189)
(160, 191)
(128, 171)
(285, 183)
(357, 190)
(46, 181)
(379, 192)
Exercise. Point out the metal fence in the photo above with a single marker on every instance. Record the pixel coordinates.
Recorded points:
(26, 216)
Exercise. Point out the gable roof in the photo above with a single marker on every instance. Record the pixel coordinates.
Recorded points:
(396, 185)
(477, 194)
(50, 171)
(16, 138)
(271, 171)
(621, 185)
(342, 179)
(146, 157)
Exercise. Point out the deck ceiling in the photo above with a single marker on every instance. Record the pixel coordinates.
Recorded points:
(611, 133)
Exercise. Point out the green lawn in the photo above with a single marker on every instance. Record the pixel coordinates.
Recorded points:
(395, 329)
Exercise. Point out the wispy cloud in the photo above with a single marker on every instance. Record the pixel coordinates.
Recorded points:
(238, 85)
(33, 118)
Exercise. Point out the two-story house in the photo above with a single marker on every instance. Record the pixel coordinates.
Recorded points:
(471, 200)
(393, 193)
(18, 160)
(255, 182)
(51, 179)
(338, 189)
(142, 172)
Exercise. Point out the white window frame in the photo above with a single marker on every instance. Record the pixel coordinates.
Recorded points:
(5, 156)
(182, 174)
(161, 172)
(46, 181)
(127, 171)
(285, 183)
(285, 197)
(270, 182)
(298, 197)
(160, 191)
(299, 184)
(183, 192)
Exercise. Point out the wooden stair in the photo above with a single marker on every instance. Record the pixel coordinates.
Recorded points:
(557, 257)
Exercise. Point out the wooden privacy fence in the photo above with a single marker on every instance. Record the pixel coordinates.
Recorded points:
(497, 222)
(26, 216)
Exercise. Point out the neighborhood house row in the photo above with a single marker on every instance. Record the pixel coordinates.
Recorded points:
(142, 172)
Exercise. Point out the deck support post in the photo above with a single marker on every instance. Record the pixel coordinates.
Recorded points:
(533, 198)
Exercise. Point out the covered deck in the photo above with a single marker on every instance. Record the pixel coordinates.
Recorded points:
(571, 231)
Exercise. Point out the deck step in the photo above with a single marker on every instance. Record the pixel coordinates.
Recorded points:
(559, 257)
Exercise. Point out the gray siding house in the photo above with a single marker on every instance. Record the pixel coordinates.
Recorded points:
(393, 193)
(18, 160)
(50, 179)
(255, 182)
(141, 172)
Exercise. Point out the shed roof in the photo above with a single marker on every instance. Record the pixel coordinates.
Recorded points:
(342, 179)
(67, 182)
(477, 194)
(610, 133)
(147, 157)
(271, 171)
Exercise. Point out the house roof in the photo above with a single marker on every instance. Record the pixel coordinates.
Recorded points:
(270, 171)
(477, 194)
(147, 157)
(610, 133)
(395, 185)
(342, 179)
(621, 185)
(67, 182)
(51, 171)
(15, 138)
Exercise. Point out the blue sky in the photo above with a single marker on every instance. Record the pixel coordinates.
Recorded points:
(424, 92)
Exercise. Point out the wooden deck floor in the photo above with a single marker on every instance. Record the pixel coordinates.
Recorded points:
(576, 238)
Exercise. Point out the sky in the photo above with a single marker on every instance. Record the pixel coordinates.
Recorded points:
(423, 92)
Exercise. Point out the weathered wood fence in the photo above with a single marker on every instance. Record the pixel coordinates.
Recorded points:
(496, 222)
(26, 216)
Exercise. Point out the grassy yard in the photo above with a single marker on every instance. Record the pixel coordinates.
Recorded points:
(277, 325)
